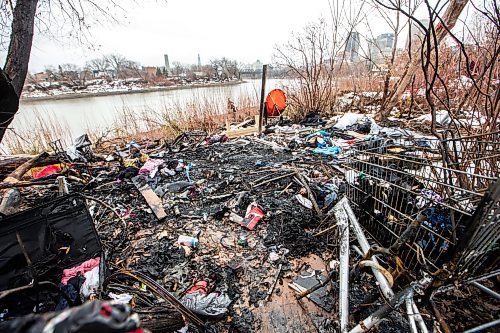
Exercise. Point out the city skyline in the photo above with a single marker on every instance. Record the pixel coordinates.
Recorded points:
(184, 30)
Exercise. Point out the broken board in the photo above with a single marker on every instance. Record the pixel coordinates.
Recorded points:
(150, 196)
(236, 133)
(321, 297)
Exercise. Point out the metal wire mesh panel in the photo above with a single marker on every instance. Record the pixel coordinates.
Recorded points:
(395, 182)
(482, 250)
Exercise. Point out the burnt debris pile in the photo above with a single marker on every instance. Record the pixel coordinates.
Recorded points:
(331, 225)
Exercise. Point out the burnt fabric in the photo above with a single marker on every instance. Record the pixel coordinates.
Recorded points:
(98, 316)
(211, 305)
(55, 236)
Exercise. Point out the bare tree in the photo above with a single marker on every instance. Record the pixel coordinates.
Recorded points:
(177, 68)
(224, 68)
(117, 63)
(18, 20)
(430, 44)
(98, 65)
(309, 59)
(71, 73)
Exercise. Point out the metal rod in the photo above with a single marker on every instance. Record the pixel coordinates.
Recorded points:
(161, 292)
(303, 180)
(378, 267)
(376, 317)
(486, 290)
(276, 278)
(343, 223)
(484, 326)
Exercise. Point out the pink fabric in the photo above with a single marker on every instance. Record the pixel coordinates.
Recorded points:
(82, 268)
(150, 165)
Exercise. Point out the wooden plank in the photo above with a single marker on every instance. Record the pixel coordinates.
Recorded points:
(284, 314)
(235, 133)
(357, 135)
(150, 196)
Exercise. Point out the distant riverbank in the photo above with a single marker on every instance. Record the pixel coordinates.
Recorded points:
(126, 92)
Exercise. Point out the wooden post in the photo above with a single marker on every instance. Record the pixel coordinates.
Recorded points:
(262, 97)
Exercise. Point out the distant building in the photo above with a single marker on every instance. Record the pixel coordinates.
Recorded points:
(149, 71)
(252, 69)
(167, 65)
(416, 35)
(86, 75)
(380, 48)
(352, 46)
(42, 76)
(199, 62)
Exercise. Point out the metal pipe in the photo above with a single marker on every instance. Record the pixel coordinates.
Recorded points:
(365, 246)
(374, 265)
(383, 277)
(409, 311)
(343, 223)
(398, 299)
(357, 250)
(484, 326)
(486, 290)
(376, 317)
(418, 317)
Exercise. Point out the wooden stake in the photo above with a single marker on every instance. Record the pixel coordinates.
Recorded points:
(262, 98)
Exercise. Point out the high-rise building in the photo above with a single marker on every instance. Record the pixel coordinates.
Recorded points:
(352, 46)
(380, 48)
(199, 62)
(416, 34)
(167, 64)
(385, 41)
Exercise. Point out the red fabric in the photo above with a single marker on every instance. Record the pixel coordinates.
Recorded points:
(47, 171)
(200, 286)
(106, 310)
(275, 103)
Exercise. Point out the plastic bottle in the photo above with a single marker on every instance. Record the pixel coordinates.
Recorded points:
(188, 241)
(242, 240)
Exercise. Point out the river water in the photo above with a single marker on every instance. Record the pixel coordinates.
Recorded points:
(80, 114)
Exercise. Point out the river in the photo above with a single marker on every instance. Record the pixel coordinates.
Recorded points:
(79, 114)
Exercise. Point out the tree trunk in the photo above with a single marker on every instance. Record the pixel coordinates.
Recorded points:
(16, 65)
(9, 163)
(9, 102)
(449, 18)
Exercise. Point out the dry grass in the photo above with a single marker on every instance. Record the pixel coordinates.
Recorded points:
(36, 136)
(201, 112)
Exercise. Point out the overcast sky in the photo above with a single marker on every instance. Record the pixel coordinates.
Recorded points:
(241, 30)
